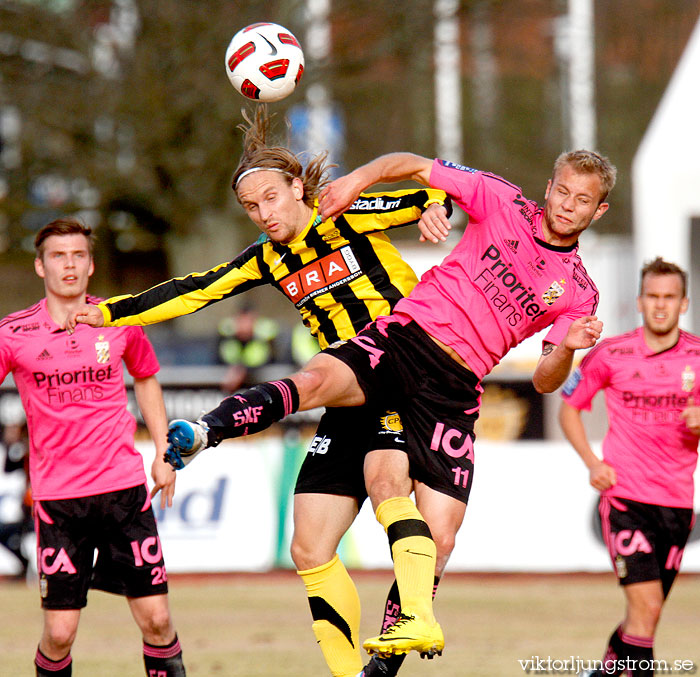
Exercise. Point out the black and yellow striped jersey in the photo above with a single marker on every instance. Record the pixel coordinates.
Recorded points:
(340, 274)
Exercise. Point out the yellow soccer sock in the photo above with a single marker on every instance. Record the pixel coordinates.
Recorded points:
(335, 608)
(414, 555)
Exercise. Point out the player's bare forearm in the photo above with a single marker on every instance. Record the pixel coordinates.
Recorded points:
(149, 397)
(338, 195)
(555, 363)
(601, 476)
(397, 167)
(553, 368)
(574, 431)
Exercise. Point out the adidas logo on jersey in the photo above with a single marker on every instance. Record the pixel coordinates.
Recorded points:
(512, 245)
(44, 355)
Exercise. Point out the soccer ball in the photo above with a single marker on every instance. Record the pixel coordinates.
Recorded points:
(264, 62)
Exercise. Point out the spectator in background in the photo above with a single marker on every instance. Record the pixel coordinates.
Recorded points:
(247, 342)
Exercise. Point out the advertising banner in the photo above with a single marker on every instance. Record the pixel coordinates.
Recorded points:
(531, 510)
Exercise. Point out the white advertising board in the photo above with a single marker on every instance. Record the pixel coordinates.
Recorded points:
(531, 510)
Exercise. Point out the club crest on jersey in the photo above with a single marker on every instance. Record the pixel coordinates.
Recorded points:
(688, 379)
(102, 350)
(554, 292)
(391, 422)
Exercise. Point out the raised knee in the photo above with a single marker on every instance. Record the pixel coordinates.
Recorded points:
(310, 383)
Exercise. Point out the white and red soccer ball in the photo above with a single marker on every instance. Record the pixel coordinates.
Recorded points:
(264, 62)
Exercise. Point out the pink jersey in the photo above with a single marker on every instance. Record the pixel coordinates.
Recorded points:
(502, 282)
(72, 389)
(648, 444)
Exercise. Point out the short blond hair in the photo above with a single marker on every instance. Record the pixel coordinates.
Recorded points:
(589, 162)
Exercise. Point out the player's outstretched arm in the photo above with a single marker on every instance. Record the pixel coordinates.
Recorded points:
(555, 363)
(149, 397)
(601, 475)
(339, 195)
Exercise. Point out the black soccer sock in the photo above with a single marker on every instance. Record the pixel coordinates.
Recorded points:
(393, 606)
(628, 655)
(388, 666)
(614, 654)
(163, 661)
(252, 410)
(45, 667)
(640, 654)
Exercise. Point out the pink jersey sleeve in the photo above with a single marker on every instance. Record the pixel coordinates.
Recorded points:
(139, 357)
(5, 358)
(478, 193)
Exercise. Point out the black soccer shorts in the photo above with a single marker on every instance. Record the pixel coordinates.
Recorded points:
(437, 397)
(645, 541)
(335, 459)
(120, 526)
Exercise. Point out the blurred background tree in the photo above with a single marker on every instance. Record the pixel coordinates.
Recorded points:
(120, 111)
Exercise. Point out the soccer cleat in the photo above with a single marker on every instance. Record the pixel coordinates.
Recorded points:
(408, 633)
(185, 441)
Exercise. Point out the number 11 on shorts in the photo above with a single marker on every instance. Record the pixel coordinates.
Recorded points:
(461, 476)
